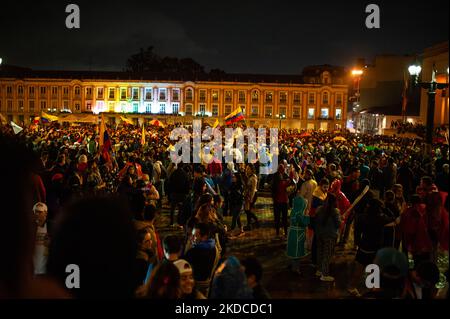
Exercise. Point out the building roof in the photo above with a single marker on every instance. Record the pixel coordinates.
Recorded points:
(21, 73)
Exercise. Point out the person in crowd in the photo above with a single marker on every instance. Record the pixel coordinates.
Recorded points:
(280, 184)
(187, 283)
(327, 223)
(421, 282)
(390, 173)
(391, 233)
(79, 239)
(393, 273)
(236, 200)
(202, 256)
(297, 232)
(173, 247)
(250, 188)
(308, 187)
(42, 238)
(144, 254)
(318, 199)
(178, 190)
(230, 281)
(164, 282)
(369, 228)
(414, 228)
(254, 274)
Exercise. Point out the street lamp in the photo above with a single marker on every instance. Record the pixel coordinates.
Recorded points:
(356, 74)
(1, 60)
(281, 116)
(432, 86)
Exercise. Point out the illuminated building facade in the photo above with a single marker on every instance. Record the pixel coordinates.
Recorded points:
(319, 104)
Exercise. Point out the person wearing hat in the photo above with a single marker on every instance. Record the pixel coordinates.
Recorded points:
(187, 283)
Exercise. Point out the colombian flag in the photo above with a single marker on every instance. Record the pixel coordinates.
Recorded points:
(45, 118)
(234, 116)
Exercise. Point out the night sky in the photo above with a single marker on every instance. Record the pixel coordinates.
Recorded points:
(245, 36)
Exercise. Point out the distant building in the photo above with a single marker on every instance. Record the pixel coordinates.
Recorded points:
(381, 94)
(438, 55)
(314, 100)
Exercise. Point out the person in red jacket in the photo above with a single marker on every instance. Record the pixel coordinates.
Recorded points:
(415, 233)
(341, 200)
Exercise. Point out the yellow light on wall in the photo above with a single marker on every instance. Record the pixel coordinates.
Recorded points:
(357, 72)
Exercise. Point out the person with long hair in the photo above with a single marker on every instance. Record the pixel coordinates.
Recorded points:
(165, 282)
(327, 225)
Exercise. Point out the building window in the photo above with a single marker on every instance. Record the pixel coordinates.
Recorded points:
(162, 108)
(241, 96)
(43, 90)
(9, 90)
(229, 97)
(88, 92)
(255, 111)
(227, 109)
(162, 94)
(77, 106)
(255, 96)
(189, 109)
(54, 91)
(54, 105)
(148, 107)
(311, 113)
(283, 97)
(269, 97)
(31, 91)
(311, 98)
(31, 106)
(325, 98)
(111, 107)
(43, 105)
(189, 95)
(215, 110)
(338, 99)
(324, 113)
(176, 95)
(88, 106)
(175, 108)
(283, 111)
(215, 96)
(123, 93)
(77, 91)
(135, 107)
(296, 112)
(268, 112)
(100, 93)
(135, 93)
(9, 106)
(65, 91)
(20, 90)
(148, 94)
(202, 95)
(297, 98)
(202, 109)
(112, 93)
(338, 114)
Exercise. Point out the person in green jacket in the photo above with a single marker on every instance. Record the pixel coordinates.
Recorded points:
(297, 232)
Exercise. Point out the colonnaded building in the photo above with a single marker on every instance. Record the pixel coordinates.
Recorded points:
(316, 99)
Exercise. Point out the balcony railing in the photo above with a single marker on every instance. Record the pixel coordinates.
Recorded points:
(325, 118)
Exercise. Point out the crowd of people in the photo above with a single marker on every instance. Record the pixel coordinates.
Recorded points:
(74, 201)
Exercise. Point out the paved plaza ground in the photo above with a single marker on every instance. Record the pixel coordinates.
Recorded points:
(271, 251)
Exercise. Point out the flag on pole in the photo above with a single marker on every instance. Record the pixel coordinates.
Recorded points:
(234, 116)
(143, 135)
(105, 141)
(16, 128)
(404, 96)
(127, 120)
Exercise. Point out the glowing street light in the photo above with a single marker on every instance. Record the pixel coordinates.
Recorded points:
(1, 61)
(414, 70)
(356, 72)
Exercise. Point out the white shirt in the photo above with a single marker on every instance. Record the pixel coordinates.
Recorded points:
(41, 251)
